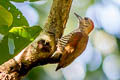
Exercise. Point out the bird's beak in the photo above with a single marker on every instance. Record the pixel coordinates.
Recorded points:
(79, 17)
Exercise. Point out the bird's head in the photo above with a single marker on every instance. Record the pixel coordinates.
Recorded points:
(85, 24)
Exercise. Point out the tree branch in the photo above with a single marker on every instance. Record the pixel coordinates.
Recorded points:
(42, 48)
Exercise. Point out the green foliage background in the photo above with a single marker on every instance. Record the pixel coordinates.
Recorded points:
(16, 33)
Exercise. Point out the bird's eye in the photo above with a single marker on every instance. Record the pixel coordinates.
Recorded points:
(86, 18)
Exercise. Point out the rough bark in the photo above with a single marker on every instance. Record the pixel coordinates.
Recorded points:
(42, 48)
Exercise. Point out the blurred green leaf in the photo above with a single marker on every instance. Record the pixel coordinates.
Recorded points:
(4, 29)
(21, 32)
(26, 32)
(23, 36)
(18, 18)
(19, 42)
(34, 31)
(6, 17)
(4, 50)
(24, 0)
(118, 42)
(96, 75)
(37, 73)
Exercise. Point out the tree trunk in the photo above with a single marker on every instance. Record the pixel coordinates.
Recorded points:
(41, 49)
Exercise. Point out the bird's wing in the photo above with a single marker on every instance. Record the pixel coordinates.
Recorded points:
(64, 41)
(69, 49)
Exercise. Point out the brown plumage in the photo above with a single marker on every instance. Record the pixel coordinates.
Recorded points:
(73, 44)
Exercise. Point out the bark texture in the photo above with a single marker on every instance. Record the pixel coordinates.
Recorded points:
(42, 48)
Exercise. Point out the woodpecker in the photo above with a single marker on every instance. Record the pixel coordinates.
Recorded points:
(72, 45)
